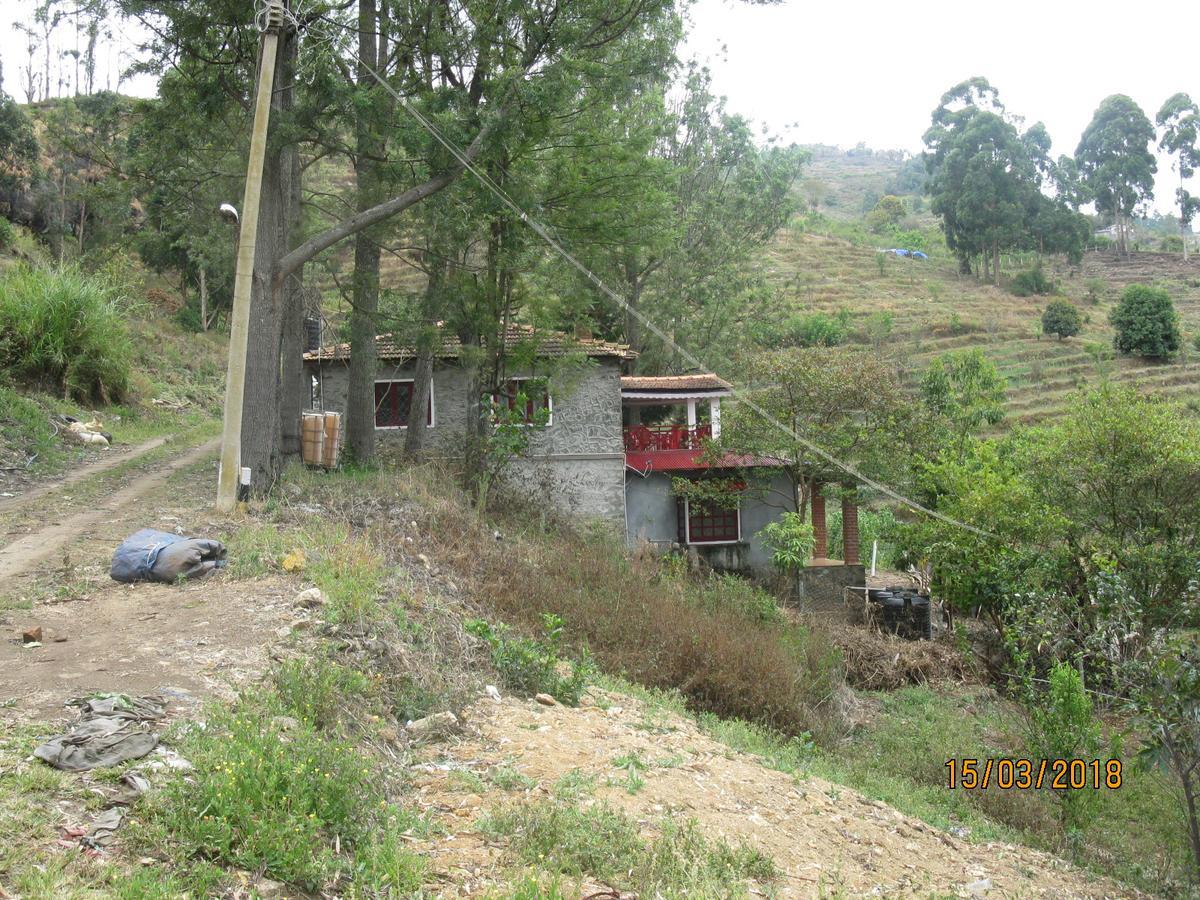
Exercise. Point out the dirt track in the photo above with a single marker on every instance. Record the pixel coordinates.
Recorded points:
(25, 553)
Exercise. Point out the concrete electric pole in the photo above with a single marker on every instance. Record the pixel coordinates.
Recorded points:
(235, 378)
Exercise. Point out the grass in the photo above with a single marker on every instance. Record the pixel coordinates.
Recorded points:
(1137, 834)
(67, 331)
(562, 838)
(271, 792)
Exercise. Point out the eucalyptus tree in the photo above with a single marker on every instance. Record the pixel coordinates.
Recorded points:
(1115, 161)
(1179, 120)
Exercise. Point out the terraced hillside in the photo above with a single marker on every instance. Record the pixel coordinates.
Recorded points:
(933, 310)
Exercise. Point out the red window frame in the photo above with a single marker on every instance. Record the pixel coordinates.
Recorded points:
(712, 524)
(509, 391)
(393, 404)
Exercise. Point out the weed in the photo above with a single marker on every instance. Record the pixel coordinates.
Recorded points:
(262, 797)
(573, 785)
(509, 779)
(315, 690)
(603, 843)
(532, 667)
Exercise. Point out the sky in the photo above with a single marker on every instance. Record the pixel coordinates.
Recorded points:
(843, 72)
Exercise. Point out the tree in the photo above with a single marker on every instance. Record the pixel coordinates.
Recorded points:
(18, 151)
(849, 403)
(484, 79)
(1146, 322)
(1115, 161)
(1061, 317)
(1179, 120)
(985, 176)
(888, 212)
(965, 391)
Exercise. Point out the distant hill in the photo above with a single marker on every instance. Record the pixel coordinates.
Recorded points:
(846, 183)
(934, 310)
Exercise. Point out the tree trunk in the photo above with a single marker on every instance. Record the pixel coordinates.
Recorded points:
(360, 406)
(260, 411)
(996, 264)
(414, 440)
(203, 301)
(292, 389)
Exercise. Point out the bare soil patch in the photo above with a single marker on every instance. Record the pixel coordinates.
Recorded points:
(824, 837)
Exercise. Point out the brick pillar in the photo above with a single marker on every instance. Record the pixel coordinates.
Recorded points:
(849, 532)
(820, 532)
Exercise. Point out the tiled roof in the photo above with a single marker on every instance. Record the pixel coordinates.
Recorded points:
(706, 382)
(547, 343)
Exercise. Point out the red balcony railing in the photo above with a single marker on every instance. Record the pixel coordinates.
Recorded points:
(648, 438)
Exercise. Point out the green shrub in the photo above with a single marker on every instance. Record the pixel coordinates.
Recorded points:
(804, 330)
(1062, 318)
(1063, 725)
(533, 667)
(790, 540)
(1146, 322)
(8, 234)
(66, 331)
(1096, 288)
(1031, 281)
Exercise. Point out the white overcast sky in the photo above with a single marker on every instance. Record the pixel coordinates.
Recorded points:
(837, 72)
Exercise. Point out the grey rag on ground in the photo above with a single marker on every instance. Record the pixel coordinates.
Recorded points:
(113, 728)
(150, 555)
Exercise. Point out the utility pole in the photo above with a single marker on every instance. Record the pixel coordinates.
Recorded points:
(235, 377)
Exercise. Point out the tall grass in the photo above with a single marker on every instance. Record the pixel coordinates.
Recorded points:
(65, 332)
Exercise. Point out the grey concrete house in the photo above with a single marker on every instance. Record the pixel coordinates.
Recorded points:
(612, 445)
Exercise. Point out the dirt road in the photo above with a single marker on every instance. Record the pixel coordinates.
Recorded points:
(24, 554)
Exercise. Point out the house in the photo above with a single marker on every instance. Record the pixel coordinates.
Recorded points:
(612, 445)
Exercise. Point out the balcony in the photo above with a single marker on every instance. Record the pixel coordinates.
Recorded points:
(653, 438)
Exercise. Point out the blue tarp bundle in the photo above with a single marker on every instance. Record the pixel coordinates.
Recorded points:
(150, 555)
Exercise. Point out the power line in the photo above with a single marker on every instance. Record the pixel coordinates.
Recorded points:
(544, 233)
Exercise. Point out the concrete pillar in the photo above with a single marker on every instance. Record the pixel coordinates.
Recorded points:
(714, 416)
(820, 531)
(691, 409)
(849, 532)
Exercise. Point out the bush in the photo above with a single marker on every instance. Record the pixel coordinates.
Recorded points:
(1062, 318)
(816, 330)
(664, 631)
(790, 541)
(1096, 288)
(64, 331)
(1062, 725)
(533, 667)
(1031, 281)
(7, 234)
(1146, 323)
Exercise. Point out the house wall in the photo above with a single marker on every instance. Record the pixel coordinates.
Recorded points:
(575, 463)
(651, 515)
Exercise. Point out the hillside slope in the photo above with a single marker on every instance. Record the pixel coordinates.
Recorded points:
(933, 310)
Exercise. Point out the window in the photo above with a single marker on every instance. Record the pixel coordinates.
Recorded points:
(393, 402)
(537, 398)
(712, 524)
